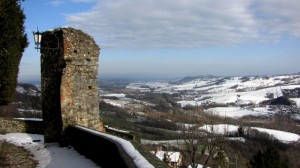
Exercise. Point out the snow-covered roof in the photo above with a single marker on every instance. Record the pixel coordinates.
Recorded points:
(173, 156)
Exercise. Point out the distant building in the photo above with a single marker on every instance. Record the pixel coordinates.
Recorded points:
(172, 158)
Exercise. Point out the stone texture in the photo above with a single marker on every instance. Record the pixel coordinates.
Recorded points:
(69, 81)
(17, 126)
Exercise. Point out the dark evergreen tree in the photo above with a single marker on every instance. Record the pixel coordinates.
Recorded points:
(269, 158)
(13, 41)
(241, 131)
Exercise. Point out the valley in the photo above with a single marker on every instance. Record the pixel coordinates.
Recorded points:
(265, 108)
(246, 113)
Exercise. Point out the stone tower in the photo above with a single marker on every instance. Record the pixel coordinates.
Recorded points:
(69, 68)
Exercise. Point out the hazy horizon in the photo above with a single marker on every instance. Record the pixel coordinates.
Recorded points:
(153, 78)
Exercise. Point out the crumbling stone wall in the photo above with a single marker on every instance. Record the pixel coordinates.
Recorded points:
(69, 67)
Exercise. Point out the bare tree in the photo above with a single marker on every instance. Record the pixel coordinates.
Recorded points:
(202, 147)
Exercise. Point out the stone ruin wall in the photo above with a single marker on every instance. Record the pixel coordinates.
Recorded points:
(69, 81)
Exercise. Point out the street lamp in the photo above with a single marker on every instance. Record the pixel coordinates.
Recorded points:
(37, 39)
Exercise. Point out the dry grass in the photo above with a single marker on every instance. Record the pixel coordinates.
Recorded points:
(12, 156)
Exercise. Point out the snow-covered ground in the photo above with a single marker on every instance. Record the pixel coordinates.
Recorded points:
(297, 100)
(237, 112)
(29, 119)
(119, 95)
(49, 155)
(285, 137)
(282, 136)
(117, 103)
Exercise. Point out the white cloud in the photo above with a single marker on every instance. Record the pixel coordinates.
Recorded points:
(56, 2)
(187, 23)
(82, 0)
(279, 17)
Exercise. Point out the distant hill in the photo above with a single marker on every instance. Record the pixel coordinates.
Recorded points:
(28, 89)
(208, 77)
(191, 78)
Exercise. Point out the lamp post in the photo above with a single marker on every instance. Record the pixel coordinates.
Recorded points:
(37, 39)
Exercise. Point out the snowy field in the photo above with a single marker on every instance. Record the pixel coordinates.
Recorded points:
(285, 137)
(238, 112)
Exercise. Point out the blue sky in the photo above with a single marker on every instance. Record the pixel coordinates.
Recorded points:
(167, 39)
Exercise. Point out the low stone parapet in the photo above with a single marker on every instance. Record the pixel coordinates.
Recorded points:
(33, 126)
(107, 150)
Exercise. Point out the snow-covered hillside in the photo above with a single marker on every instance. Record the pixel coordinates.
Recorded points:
(28, 89)
(234, 91)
